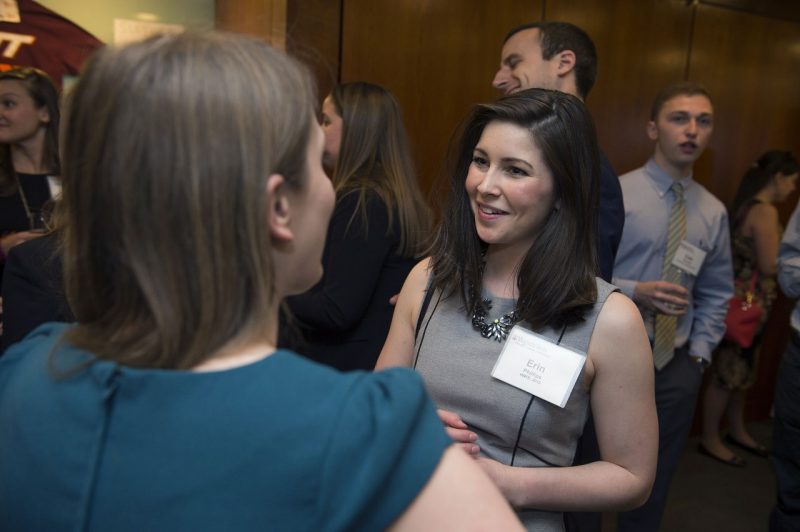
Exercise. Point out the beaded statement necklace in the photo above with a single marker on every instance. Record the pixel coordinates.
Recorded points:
(496, 329)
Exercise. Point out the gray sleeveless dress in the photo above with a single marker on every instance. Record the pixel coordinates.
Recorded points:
(513, 427)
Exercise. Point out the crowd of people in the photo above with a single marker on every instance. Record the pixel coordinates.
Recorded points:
(190, 332)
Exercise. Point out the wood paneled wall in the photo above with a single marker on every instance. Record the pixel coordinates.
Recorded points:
(314, 36)
(751, 65)
(641, 47)
(439, 59)
(263, 18)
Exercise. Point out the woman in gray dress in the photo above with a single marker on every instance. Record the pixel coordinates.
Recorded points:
(511, 329)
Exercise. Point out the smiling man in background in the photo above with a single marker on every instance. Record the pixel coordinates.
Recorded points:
(561, 56)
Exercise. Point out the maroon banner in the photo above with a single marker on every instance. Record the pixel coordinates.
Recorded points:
(45, 40)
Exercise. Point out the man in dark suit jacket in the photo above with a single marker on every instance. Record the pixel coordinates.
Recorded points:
(561, 56)
(33, 289)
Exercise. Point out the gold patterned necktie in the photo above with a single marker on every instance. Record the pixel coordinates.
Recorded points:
(664, 341)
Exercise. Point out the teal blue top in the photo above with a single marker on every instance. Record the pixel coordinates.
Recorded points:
(280, 444)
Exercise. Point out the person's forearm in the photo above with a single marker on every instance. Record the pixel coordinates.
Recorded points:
(708, 324)
(598, 486)
(707, 332)
(789, 274)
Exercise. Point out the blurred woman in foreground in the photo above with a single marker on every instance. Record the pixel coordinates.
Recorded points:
(195, 201)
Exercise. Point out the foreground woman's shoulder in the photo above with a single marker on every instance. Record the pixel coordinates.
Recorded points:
(387, 433)
(395, 392)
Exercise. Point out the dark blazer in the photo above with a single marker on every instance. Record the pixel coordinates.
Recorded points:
(345, 318)
(610, 220)
(33, 289)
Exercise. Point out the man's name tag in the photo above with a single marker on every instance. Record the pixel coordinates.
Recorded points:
(689, 258)
(538, 366)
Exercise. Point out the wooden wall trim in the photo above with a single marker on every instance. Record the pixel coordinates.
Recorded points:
(778, 9)
(314, 36)
(261, 18)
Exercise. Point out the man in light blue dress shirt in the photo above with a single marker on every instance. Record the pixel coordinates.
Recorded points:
(681, 123)
(786, 435)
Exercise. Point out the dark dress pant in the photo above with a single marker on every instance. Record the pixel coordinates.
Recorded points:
(677, 386)
(785, 515)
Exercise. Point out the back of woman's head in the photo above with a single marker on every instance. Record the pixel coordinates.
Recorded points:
(44, 93)
(556, 277)
(760, 174)
(374, 155)
(167, 147)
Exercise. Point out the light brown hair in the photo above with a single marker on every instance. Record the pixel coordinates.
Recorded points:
(167, 147)
(374, 156)
(682, 88)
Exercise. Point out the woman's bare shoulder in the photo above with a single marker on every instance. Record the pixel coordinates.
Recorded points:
(619, 324)
(762, 213)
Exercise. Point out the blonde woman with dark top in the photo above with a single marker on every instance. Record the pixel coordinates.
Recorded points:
(167, 406)
(376, 235)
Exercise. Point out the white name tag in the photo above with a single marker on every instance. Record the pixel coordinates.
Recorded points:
(538, 366)
(689, 258)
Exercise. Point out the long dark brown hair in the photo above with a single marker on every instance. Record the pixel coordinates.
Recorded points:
(374, 156)
(44, 94)
(556, 278)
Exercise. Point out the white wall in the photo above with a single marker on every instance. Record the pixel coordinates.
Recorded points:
(97, 16)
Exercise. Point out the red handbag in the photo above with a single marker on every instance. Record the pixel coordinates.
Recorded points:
(743, 317)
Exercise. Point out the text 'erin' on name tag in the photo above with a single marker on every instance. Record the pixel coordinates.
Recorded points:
(689, 258)
(538, 366)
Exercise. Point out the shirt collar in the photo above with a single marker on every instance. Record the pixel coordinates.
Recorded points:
(663, 181)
